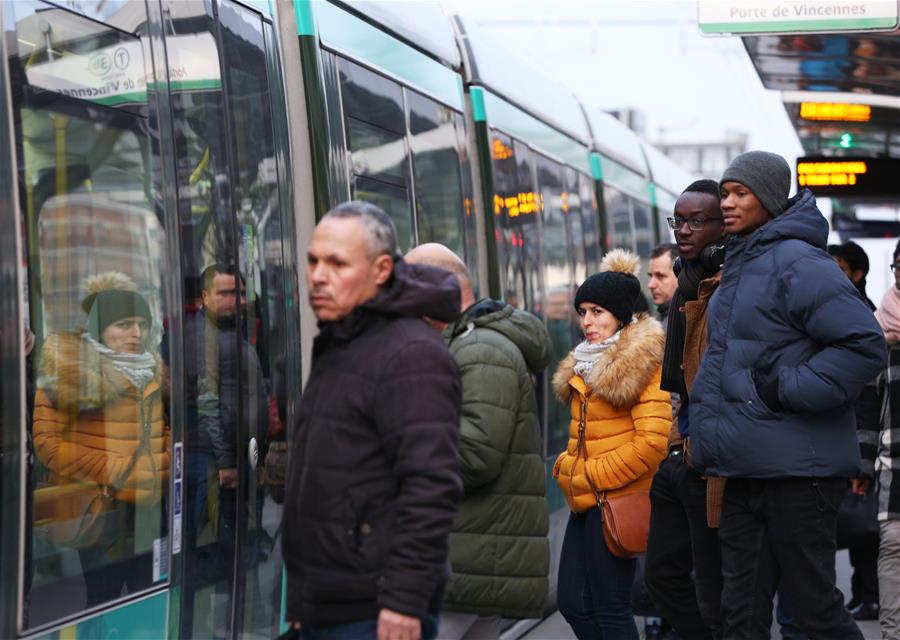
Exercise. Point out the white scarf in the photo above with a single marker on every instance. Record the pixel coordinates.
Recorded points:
(586, 354)
(139, 368)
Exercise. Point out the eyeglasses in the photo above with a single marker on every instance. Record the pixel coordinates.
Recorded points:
(895, 268)
(694, 223)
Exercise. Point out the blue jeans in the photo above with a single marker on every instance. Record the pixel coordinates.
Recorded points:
(362, 630)
(594, 587)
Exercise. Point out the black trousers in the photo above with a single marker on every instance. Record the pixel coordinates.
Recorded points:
(683, 569)
(782, 530)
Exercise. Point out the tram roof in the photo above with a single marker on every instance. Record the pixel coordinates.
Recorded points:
(613, 139)
(664, 172)
(517, 81)
(859, 68)
(422, 24)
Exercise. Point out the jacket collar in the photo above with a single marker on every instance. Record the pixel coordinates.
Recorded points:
(623, 371)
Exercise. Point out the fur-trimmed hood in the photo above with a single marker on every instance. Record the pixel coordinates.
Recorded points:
(76, 377)
(624, 370)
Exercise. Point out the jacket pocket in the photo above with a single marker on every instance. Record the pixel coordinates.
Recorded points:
(744, 391)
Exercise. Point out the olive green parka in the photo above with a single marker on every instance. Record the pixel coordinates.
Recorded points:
(498, 546)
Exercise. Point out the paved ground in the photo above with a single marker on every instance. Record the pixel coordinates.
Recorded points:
(555, 628)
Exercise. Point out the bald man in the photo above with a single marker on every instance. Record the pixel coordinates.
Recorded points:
(498, 544)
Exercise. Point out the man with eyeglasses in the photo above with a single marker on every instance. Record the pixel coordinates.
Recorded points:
(683, 568)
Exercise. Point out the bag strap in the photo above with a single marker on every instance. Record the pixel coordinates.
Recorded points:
(144, 441)
(580, 448)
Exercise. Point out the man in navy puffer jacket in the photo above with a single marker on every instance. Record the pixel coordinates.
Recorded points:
(791, 344)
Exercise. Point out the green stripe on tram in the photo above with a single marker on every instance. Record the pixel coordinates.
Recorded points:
(306, 23)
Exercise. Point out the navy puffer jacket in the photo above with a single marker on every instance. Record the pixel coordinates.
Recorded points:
(784, 319)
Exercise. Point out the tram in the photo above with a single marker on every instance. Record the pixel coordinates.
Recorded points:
(170, 146)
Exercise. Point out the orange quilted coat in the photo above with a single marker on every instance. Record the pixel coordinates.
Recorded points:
(89, 420)
(627, 417)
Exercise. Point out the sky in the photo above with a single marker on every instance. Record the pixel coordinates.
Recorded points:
(644, 54)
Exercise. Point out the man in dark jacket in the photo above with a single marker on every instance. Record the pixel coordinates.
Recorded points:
(498, 546)
(683, 570)
(791, 344)
(373, 480)
(662, 282)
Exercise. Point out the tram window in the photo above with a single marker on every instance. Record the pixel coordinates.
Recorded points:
(643, 229)
(394, 201)
(376, 152)
(591, 226)
(470, 222)
(618, 213)
(371, 98)
(439, 198)
(94, 246)
(558, 278)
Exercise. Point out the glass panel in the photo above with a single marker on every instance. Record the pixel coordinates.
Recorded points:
(471, 224)
(643, 229)
(439, 200)
(618, 212)
(395, 202)
(62, 52)
(263, 351)
(98, 480)
(558, 247)
(377, 152)
(338, 160)
(208, 320)
(590, 227)
(371, 98)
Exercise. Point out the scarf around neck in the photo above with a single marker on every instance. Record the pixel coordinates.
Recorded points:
(138, 368)
(692, 274)
(888, 315)
(586, 354)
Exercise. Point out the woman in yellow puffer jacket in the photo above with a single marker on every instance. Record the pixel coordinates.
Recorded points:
(99, 428)
(617, 438)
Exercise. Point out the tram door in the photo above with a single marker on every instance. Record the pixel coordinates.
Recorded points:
(147, 165)
(239, 341)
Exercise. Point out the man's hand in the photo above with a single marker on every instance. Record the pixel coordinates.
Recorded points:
(228, 478)
(396, 626)
(859, 486)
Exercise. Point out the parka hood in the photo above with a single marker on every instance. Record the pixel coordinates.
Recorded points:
(417, 290)
(524, 329)
(802, 220)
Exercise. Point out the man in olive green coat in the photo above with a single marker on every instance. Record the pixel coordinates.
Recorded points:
(498, 544)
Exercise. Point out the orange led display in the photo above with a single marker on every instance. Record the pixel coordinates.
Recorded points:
(835, 111)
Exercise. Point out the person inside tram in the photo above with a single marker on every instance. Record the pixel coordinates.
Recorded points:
(617, 438)
(99, 428)
(791, 345)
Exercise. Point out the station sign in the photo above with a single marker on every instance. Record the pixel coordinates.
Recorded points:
(751, 17)
(849, 177)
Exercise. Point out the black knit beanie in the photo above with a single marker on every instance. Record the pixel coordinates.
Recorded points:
(106, 307)
(766, 174)
(615, 288)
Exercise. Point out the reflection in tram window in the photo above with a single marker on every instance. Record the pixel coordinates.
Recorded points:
(618, 212)
(94, 244)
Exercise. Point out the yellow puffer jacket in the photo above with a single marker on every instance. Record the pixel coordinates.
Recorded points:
(626, 418)
(89, 420)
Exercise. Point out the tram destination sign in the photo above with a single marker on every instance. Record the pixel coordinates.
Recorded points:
(746, 17)
(849, 177)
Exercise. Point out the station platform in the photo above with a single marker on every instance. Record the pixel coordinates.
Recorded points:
(556, 628)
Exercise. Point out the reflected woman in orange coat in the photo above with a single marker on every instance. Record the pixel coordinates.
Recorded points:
(99, 429)
(617, 438)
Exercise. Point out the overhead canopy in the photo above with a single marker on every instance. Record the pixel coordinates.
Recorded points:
(836, 69)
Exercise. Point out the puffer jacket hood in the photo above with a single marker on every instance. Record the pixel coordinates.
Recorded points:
(523, 329)
(417, 290)
(802, 220)
(498, 546)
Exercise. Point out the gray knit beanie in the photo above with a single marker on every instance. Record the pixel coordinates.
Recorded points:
(766, 174)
